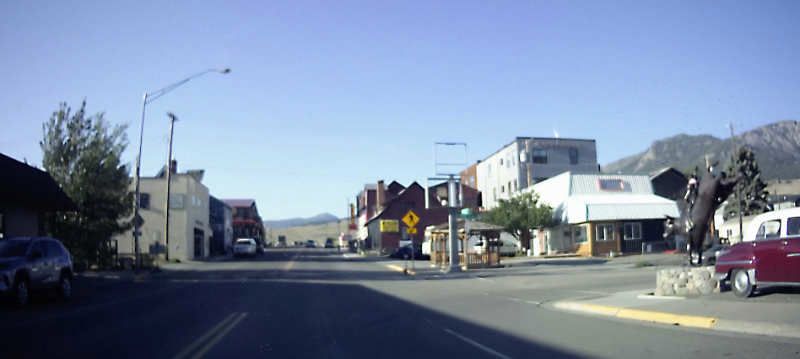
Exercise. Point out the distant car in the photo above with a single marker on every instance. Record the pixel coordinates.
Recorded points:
(311, 244)
(245, 247)
(769, 254)
(34, 263)
(329, 243)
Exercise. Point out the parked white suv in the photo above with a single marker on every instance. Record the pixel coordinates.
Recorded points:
(244, 247)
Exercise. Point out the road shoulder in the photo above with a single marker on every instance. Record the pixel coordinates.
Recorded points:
(755, 318)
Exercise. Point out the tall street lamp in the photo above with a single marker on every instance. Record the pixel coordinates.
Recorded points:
(146, 99)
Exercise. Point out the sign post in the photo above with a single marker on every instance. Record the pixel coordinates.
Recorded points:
(411, 219)
(448, 159)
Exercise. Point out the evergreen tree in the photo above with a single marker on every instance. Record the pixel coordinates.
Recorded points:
(753, 189)
(83, 154)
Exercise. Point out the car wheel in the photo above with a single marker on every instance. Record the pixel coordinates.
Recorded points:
(65, 287)
(741, 284)
(22, 293)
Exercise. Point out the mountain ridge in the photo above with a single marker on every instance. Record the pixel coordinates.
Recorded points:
(321, 218)
(776, 146)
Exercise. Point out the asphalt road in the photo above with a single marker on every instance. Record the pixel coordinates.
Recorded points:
(319, 304)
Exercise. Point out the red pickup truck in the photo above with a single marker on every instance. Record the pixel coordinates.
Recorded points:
(769, 254)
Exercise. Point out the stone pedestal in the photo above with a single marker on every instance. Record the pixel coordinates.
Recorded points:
(686, 281)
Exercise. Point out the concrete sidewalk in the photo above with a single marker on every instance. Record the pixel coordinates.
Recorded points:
(711, 313)
(117, 274)
(652, 259)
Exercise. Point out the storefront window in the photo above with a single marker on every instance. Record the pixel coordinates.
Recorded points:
(579, 234)
(633, 231)
(605, 232)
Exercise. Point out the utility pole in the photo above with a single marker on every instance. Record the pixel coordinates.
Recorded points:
(172, 119)
(452, 220)
(146, 99)
(444, 168)
(738, 185)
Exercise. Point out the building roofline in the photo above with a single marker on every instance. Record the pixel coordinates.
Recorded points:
(556, 138)
(519, 138)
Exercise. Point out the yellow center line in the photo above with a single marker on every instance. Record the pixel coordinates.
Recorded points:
(221, 334)
(398, 268)
(185, 352)
(290, 264)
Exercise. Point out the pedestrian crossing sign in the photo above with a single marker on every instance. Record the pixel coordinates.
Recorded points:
(411, 219)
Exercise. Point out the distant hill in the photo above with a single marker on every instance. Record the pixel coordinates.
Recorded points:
(776, 146)
(316, 232)
(294, 222)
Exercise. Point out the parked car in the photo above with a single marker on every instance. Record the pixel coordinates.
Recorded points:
(34, 263)
(245, 247)
(769, 254)
(311, 244)
(405, 252)
(711, 254)
(329, 243)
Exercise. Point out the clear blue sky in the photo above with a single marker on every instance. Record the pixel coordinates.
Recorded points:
(328, 95)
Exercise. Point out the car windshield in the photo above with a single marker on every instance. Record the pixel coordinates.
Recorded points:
(14, 247)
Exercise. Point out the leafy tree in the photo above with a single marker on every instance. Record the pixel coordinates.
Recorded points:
(82, 153)
(519, 215)
(753, 189)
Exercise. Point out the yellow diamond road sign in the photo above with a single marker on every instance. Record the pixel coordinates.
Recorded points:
(411, 219)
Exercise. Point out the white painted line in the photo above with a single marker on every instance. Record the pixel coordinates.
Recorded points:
(477, 345)
(512, 299)
(659, 297)
(592, 292)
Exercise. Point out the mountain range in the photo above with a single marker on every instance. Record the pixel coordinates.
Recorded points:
(776, 147)
(295, 222)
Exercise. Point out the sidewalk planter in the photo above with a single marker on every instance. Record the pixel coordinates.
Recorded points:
(686, 281)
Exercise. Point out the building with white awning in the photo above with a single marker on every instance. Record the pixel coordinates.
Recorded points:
(598, 214)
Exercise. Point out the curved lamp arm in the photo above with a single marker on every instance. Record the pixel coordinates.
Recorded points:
(152, 96)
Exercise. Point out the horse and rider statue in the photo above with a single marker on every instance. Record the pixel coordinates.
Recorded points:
(703, 197)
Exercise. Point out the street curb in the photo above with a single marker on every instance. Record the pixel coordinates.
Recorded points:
(710, 323)
(400, 269)
(640, 315)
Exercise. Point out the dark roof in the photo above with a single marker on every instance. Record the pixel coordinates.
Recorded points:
(666, 170)
(29, 187)
(217, 200)
(387, 205)
(240, 202)
(395, 188)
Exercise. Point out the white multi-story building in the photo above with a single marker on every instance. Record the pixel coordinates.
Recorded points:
(189, 232)
(528, 160)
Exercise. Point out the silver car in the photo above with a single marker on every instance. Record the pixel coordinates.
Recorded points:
(34, 263)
